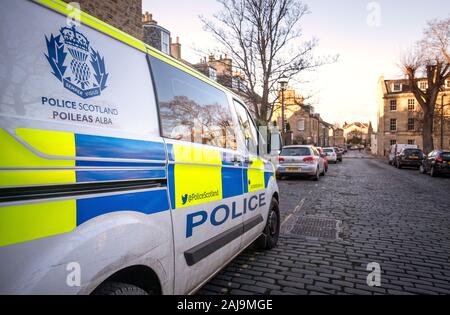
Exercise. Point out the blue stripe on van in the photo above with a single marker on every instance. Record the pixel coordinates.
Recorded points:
(267, 177)
(115, 175)
(117, 164)
(105, 147)
(170, 153)
(148, 202)
(231, 182)
(245, 180)
(171, 184)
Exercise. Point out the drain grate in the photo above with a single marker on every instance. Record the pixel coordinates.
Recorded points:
(314, 227)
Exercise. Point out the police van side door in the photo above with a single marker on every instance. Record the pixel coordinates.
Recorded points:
(256, 199)
(204, 177)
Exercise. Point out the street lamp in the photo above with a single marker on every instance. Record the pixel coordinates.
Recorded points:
(283, 82)
(442, 121)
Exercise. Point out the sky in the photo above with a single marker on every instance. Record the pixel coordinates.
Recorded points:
(368, 36)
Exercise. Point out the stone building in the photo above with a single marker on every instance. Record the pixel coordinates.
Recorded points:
(154, 34)
(125, 15)
(358, 133)
(400, 116)
(337, 138)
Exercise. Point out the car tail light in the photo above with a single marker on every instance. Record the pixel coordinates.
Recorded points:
(280, 160)
(309, 160)
(439, 159)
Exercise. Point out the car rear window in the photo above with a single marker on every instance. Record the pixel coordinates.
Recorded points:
(296, 152)
(446, 155)
(328, 150)
(412, 152)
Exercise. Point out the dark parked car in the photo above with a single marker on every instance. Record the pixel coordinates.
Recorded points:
(437, 162)
(409, 158)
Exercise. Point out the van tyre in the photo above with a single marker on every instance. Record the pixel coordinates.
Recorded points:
(271, 232)
(118, 288)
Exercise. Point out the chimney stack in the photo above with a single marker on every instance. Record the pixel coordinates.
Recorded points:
(175, 49)
(147, 18)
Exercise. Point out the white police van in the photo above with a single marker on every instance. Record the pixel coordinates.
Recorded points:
(121, 169)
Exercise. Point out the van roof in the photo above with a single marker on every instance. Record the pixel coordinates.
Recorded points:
(91, 21)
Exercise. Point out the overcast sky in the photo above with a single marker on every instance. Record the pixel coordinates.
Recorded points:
(369, 45)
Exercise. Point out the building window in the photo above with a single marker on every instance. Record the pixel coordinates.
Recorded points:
(212, 74)
(393, 105)
(447, 83)
(393, 125)
(301, 125)
(165, 43)
(411, 105)
(393, 142)
(423, 85)
(411, 124)
(411, 142)
(192, 110)
(397, 87)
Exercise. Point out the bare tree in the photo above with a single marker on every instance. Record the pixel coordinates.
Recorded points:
(262, 38)
(430, 59)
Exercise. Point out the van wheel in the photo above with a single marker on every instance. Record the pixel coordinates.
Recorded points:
(269, 239)
(118, 288)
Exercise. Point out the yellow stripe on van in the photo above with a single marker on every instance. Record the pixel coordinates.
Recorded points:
(49, 142)
(199, 182)
(192, 154)
(256, 179)
(39, 177)
(15, 156)
(29, 222)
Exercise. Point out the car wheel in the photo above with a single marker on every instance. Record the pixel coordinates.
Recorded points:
(118, 288)
(269, 239)
(317, 176)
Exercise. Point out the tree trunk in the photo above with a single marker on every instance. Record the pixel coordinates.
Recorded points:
(427, 134)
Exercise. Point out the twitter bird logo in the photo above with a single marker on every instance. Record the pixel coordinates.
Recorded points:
(184, 199)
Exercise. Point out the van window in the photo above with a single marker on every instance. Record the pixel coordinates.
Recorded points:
(248, 128)
(190, 109)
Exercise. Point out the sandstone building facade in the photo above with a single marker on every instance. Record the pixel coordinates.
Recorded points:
(400, 116)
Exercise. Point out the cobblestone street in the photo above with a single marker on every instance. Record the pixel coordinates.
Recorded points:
(397, 218)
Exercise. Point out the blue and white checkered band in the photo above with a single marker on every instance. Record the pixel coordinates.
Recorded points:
(87, 76)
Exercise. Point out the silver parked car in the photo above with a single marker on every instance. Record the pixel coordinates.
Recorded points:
(300, 160)
(332, 155)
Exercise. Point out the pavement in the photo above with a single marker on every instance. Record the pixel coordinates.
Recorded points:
(364, 211)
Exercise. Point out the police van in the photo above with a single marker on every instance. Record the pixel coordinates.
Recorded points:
(122, 170)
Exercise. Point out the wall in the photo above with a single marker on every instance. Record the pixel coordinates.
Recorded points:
(125, 15)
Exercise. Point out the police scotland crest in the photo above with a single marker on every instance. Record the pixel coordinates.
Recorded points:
(80, 68)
